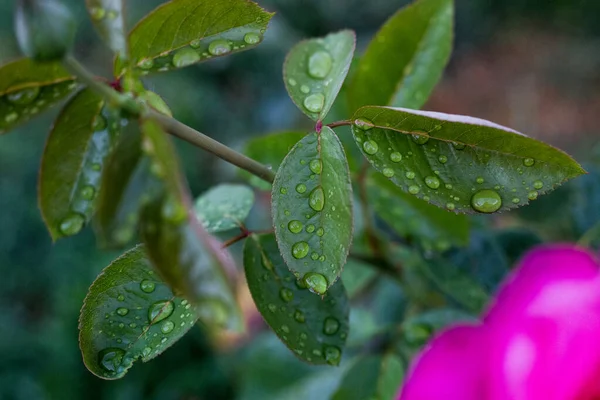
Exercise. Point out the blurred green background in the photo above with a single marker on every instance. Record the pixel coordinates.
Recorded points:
(533, 65)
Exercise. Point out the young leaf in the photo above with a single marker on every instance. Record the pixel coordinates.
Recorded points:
(224, 207)
(184, 32)
(314, 329)
(129, 313)
(188, 258)
(72, 163)
(406, 58)
(108, 18)
(269, 150)
(28, 88)
(312, 209)
(372, 377)
(460, 163)
(434, 228)
(315, 69)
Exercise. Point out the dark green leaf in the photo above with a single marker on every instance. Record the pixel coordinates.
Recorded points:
(418, 329)
(460, 163)
(372, 377)
(224, 207)
(315, 69)
(109, 20)
(406, 58)
(516, 242)
(72, 163)
(270, 150)
(184, 32)
(434, 228)
(312, 209)
(314, 328)
(129, 314)
(28, 88)
(356, 276)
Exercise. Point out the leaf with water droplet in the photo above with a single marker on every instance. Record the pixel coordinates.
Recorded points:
(28, 89)
(121, 322)
(484, 167)
(108, 19)
(308, 325)
(315, 70)
(81, 139)
(184, 32)
(224, 207)
(406, 58)
(324, 203)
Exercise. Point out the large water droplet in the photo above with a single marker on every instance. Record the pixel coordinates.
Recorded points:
(410, 175)
(160, 310)
(295, 226)
(316, 166)
(420, 137)
(283, 190)
(147, 286)
(72, 224)
(316, 199)
(528, 162)
(24, 96)
(167, 327)
(319, 64)
(331, 326)
(432, 182)
(219, 47)
(88, 192)
(286, 295)
(414, 189)
(304, 89)
(184, 57)
(363, 124)
(396, 157)
(300, 250)
(486, 201)
(251, 38)
(370, 147)
(314, 103)
(458, 146)
(538, 185)
(299, 316)
(111, 359)
(480, 180)
(315, 282)
(122, 311)
(388, 172)
(320, 232)
(310, 228)
(332, 355)
(532, 195)
(443, 159)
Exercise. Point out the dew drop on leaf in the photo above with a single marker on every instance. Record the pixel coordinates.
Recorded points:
(316, 199)
(443, 159)
(24, 96)
(528, 162)
(319, 64)
(332, 355)
(410, 175)
(364, 124)
(532, 195)
(72, 224)
(122, 311)
(331, 326)
(316, 166)
(304, 89)
(486, 201)
(480, 180)
(251, 38)
(111, 359)
(321, 232)
(396, 157)
(160, 310)
(147, 286)
(167, 327)
(458, 146)
(314, 102)
(146, 64)
(310, 228)
(286, 295)
(88, 192)
(300, 250)
(414, 189)
(195, 44)
(370, 147)
(186, 56)
(388, 172)
(219, 47)
(299, 316)
(538, 185)
(432, 182)
(420, 137)
(295, 226)
(315, 282)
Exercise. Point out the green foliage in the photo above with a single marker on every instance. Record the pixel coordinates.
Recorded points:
(109, 20)
(224, 207)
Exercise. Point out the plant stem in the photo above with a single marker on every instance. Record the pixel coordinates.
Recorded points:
(339, 123)
(198, 139)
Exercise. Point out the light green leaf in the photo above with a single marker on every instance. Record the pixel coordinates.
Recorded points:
(184, 32)
(460, 163)
(224, 207)
(269, 150)
(28, 88)
(372, 377)
(410, 217)
(72, 163)
(315, 69)
(109, 19)
(314, 328)
(406, 58)
(129, 313)
(312, 209)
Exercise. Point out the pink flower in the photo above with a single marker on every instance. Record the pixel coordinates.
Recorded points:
(539, 339)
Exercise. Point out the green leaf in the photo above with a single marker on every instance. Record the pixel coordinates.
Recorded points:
(108, 18)
(409, 217)
(224, 207)
(357, 276)
(406, 58)
(188, 258)
(72, 163)
(372, 377)
(129, 313)
(461, 163)
(184, 32)
(314, 328)
(269, 150)
(28, 88)
(315, 69)
(312, 209)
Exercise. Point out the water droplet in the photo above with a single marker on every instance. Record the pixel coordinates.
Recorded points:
(486, 201)
(331, 326)
(146, 352)
(320, 232)
(97, 13)
(24, 96)
(315, 282)
(300, 250)
(295, 226)
(396, 157)
(319, 64)
(120, 297)
(538, 185)
(432, 182)
(147, 286)
(299, 316)
(186, 56)
(314, 103)
(316, 199)
(160, 310)
(370, 147)
(219, 47)
(310, 228)
(88, 192)
(316, 166)
(111, 359)
(528, 162)
(122, 311)
(283, 190)
(410, 175)
(146, 64)
(167, 327)
(388, 172)
(532, 195)
(332, 355)
(314, 256)
(11, 117)
(173, 211)
(251, 38)
(480, 180)
(414, 189)
(420, 137)
(285, 328)
(304, 89)
(272, 307)
(443, 159)
(195, 44)
(458, 146)
(286, 294)
(363, 124)
(516, 200)
(72, 224)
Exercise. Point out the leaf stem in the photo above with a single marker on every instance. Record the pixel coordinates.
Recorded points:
(339, 123)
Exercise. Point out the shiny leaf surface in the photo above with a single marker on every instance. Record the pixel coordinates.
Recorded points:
(224, 207)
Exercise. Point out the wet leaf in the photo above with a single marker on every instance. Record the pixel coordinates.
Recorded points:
(372, 377)
(129, 313)
(460, 163)
(436, 229)
(406, 58)
(315, 70)
(72, 163)
(312, 209)
(314, 328)
(28, 89)
(184, 32)
(109, 20)
(224, 207)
